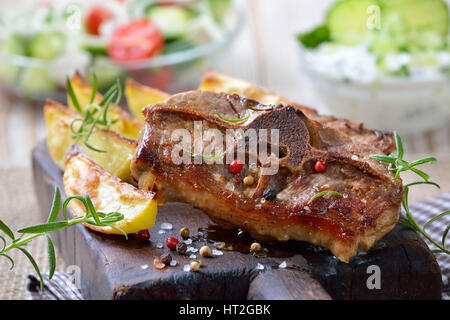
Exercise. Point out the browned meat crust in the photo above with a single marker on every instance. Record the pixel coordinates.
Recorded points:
(368, 209)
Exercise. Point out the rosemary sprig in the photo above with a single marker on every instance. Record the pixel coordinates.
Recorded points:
(92, 217)
(95, 116)
(321, 194)
(231, 120)
(398, 165)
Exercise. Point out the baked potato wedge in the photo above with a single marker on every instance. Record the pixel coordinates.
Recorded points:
(139, 96)
(119, 150)
(108, 194)
(127, 126)
(216, 82)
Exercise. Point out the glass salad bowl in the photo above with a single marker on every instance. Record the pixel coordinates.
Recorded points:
(382, 63)
(162, 44)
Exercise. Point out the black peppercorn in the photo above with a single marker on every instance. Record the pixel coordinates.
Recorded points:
(181, 247)
(269, 194)
(166, 258)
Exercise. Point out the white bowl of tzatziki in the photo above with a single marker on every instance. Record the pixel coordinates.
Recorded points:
(392, 76)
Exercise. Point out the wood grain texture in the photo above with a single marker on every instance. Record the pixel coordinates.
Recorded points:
(112, 268)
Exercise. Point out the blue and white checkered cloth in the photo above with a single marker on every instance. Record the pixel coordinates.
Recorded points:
(424, 211)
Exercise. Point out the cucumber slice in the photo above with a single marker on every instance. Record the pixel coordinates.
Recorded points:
(95, 46)
(47, 45)
(177, 46)
(394, 36)
(174, 21)
(219, 9)
(383, 42)
(421, 14)
(427, 40)
(37, 81)
(15, 44)
(347, 20)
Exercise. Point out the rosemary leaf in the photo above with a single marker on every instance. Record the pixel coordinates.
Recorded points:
(422, 161)
(422, 182)
(54, 211)
(6, 230)
(118, 229)
(45, 227)
(231, 120)
(94, 88)
(51, 257)
(399, 144)
(28, 255)
(72, 95)
(420, 173)
(435, 218)
(9, 258)
(4, 243)
(444, 235)
(119, 93)
(387, 159)
(321, 194)
(91, 209)
(66, 203)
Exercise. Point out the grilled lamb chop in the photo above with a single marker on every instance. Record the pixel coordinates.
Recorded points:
(276, 206)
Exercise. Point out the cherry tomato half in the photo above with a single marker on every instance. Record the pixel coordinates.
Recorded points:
(139, 39)
(95, 17)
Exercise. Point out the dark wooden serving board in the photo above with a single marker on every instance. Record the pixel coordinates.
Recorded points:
(111, 267)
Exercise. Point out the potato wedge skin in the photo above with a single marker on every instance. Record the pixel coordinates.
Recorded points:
(216, 82)
(127, 126)
(108, 194)
(119, 150)
(139, 96)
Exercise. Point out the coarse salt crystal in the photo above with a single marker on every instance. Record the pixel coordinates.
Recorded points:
(159, 245)
(188, 241)
(187, 268)
(282, 265)
(259, 266)
(354, 157)
(145, 266)
(192, 256)
(217, 252)
(166, 226)
(173, 263)
(161, 232)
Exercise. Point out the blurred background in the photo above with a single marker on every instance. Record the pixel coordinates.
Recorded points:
(258, 44)
(255, 40)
